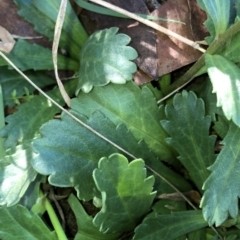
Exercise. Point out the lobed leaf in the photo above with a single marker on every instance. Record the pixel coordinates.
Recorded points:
(69, 152)
(189, 131)
(124, 185)
(105, 58)
(222, 187)
(12, 81)
(132, 106)
(25, 123)
(32, 56)
(16, 174)
(218, 12)
(228, 89)
(86, 229)
(169, 227)
(18, 223)
(43, 16)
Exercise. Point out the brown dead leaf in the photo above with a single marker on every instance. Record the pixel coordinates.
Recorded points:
(7, 41)
(16, 25)
(173, 54)
(162, 54)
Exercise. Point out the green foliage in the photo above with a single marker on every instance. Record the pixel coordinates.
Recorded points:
(86, 228)
(119, 149)
(168, 227)
(222, 187)
(32, 56)
(37, 12)
(132, 106)
(218, 12)
(124, 185)
(18, 130)
(186, 120)
(228, 92)
(16, 174)
(105, 58)
(17, 222)
(11, 82)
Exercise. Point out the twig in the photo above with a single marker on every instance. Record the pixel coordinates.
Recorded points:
(57, 34)
(150, 24)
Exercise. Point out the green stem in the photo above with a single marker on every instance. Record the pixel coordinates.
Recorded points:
(54, 219)
(2, 124)
(215, 47)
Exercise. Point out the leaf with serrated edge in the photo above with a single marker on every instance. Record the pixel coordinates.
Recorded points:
(225, 78)
(43, 16)
(136, 108)
(124, 185)
(169, 227)
(222, 187)
(12, 80)
(189, 131)
(39, 110)
(218, 12)
(16, 177)
(32, 56)
(86, 229)
(106, 58)
(18, 223)
(68, 152)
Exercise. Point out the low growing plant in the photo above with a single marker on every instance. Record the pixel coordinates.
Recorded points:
(123, 149)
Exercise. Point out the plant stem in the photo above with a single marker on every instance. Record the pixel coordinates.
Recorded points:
(215, 47)
(2, 124)
(54, 219)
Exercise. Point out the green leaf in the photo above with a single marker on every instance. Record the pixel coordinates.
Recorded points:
(231, 49)
(32, 56)
(228, 90)
(136, 108)
(11, 80)
(25, 123)
(86, 229)
(221, 126)
(43, 16)
(69, 152)
(105, 58)
(18, 223)
(189, 131)
(169, 227)
(218, 12)
(16, 174)
(222, 187)
(124, 185)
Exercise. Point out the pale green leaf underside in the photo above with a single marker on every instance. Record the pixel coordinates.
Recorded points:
(169, 227)
(16, 174)
(106, 58)
(25, 123)
(68, 152)
(124, 185)
(86, 229)
(11, 80)
(189, 131)
(222, 187)
(43, 16)
(218, 12)
(18, 223)
(32, 56)
(136, 108)
(225, 78)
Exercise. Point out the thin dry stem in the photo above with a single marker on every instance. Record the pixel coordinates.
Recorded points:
(57, 34)
(150, 24)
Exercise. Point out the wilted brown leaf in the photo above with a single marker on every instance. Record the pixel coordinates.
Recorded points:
(7, 41)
